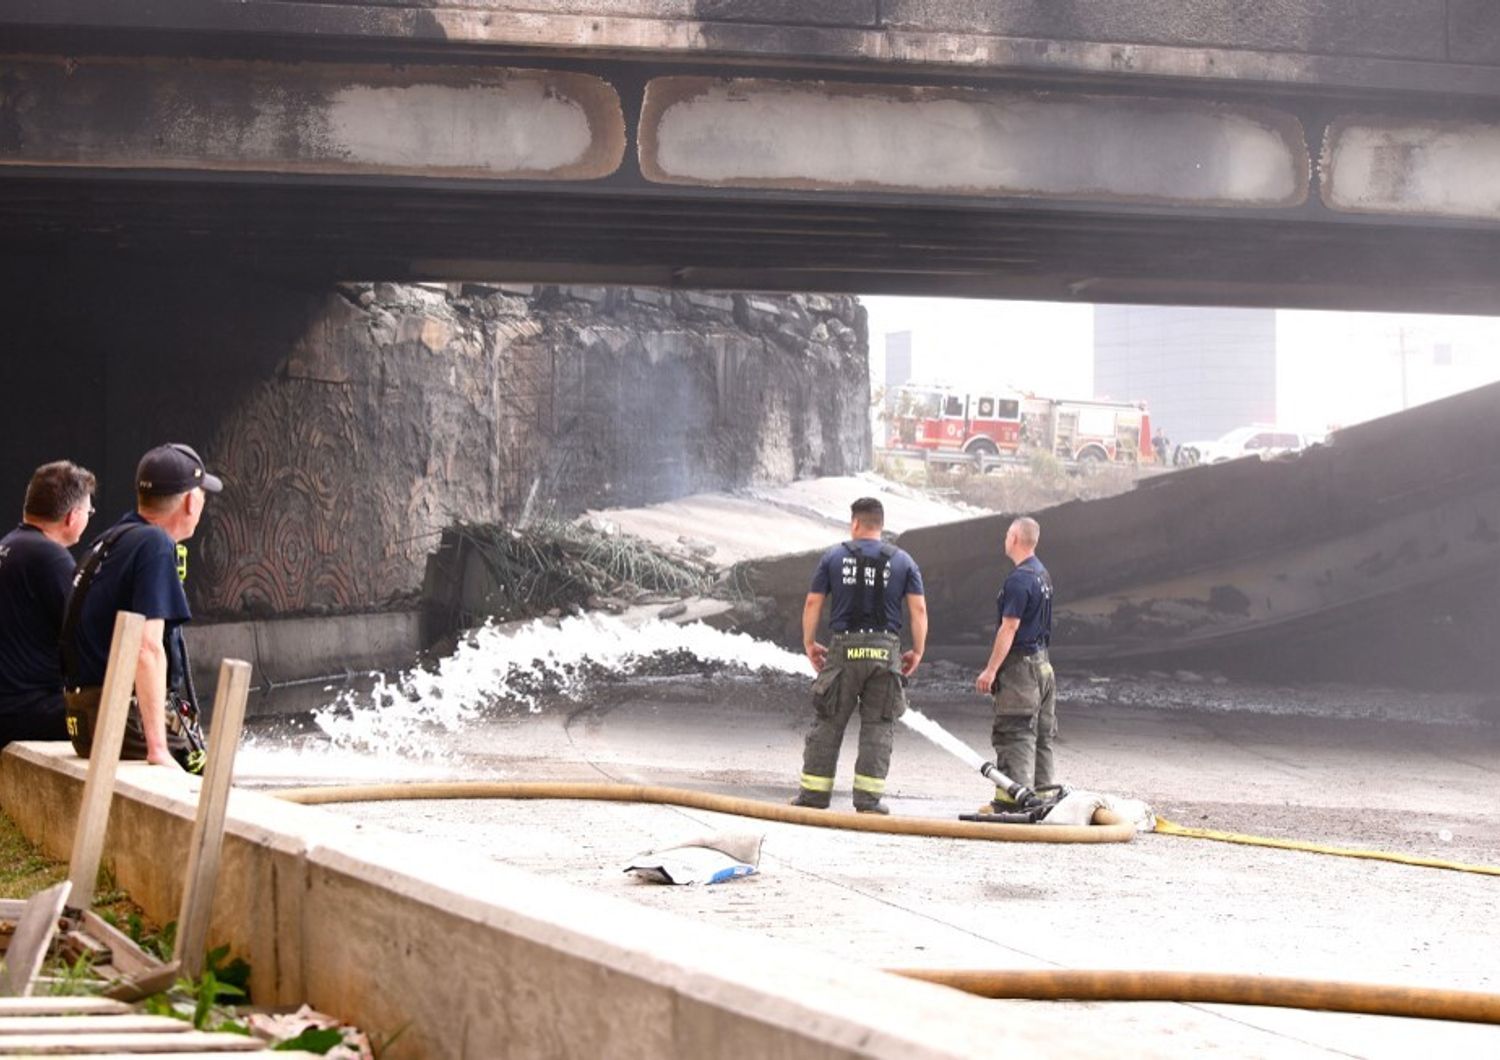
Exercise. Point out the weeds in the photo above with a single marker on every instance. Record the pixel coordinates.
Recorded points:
(73, 979)
(158, 944)
(1042, 483)
(198, 1002)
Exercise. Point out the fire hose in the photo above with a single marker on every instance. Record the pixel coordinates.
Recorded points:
(1051, 985)
(1276, 991)
(1107, 827)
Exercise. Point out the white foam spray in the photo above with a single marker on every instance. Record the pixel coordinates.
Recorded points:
(918, 722)
(508, 669)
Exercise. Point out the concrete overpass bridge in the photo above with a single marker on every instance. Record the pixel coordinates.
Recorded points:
(1284, 153)
(182, 182)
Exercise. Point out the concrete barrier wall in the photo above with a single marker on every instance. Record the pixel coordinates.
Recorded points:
(299, 649)
(481, 960)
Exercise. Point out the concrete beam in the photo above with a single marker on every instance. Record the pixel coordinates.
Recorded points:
(926, 140)
(231, 116)
(1384, 45)
(1422, 168)
(1414, 29)
(483, 960)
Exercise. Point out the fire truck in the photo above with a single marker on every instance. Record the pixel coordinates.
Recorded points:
(984, 424)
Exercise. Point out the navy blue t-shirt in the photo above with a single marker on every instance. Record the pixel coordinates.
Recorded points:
(139, 574)
(35, 575)
(1027, 595)
(837, 574)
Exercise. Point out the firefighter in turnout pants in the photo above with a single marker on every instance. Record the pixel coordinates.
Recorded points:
(863, 667)
(1019, 674)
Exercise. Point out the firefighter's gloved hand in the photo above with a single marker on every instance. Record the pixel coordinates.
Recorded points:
(192, 760)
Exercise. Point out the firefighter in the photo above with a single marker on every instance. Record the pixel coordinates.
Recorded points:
(863, 668)
(139, 565)
(1019, 674)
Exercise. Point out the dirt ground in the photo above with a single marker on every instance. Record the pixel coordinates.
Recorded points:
(1314, 773)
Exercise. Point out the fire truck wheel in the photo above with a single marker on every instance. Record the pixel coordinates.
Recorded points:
(982, 449)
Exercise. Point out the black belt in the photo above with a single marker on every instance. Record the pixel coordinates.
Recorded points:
(848, 632)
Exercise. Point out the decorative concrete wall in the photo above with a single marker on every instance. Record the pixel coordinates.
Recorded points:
(351, 424)
(401, 408)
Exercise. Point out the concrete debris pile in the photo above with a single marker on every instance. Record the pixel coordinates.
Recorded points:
(505, 573)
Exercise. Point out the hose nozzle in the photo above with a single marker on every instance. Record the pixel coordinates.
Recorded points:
(1018, 792)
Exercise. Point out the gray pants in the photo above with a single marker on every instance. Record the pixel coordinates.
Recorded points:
(862, 673)
(1025, 719)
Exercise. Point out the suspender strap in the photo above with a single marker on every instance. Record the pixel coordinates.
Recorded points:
(869, 586)
(83, 580)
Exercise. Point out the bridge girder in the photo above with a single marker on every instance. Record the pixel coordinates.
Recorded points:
(558, 164)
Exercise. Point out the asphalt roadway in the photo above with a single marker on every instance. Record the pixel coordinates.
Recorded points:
(1159, 902)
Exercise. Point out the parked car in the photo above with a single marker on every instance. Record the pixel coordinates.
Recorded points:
(1259, 441)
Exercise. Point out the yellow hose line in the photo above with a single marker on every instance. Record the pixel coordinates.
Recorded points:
(1107, 827)
(1057, 985)
(1166, 827)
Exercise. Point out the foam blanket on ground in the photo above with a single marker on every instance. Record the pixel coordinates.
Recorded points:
(707, 859)
(1077, 807)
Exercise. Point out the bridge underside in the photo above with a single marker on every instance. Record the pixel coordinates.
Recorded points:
(1169, 175)
(314, 232)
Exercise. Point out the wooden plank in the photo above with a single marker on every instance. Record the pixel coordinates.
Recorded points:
(214, 1055)
(208, 828)
(124, 953)
(76, 944)
(104, 757)
(93, 1044)
(12, 908)
(60, 1006)
(94, 1023)
(34, 932)
(142, 986)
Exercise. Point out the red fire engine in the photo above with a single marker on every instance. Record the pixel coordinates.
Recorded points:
(991, 423)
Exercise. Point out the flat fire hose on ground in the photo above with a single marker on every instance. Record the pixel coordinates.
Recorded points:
(1082, 985)
(1026, 800)
(1107, 827)
(1055, 985)
(1374, 999)
(1166, 827)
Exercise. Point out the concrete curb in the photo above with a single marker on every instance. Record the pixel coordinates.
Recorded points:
(483, 960)
(283, 650)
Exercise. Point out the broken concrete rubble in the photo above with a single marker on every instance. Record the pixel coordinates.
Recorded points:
(1372, 559)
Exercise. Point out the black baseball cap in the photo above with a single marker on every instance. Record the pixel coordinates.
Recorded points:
(171, 469)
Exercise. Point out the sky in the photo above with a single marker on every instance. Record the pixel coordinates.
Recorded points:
(1333, 369)
(1044, 347)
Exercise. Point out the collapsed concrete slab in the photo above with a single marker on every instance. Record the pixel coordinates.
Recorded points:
(1376, 557)
(479, 959)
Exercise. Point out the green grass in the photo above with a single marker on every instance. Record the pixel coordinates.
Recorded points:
(24, 870)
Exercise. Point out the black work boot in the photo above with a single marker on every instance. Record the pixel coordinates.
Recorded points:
(871, 806)
(812, 800)
(1002, 803)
